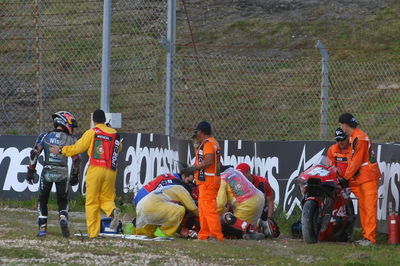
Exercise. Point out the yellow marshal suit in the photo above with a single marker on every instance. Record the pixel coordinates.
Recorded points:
(237, 191)
(164, 207)
(100, 181)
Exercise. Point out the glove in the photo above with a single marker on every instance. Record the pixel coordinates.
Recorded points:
(343, 182)
(74, 180)
(30, 175)
(193, 234)
(273, 228)
(188, 170)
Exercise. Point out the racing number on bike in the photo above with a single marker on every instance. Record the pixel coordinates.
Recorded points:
(319, 171)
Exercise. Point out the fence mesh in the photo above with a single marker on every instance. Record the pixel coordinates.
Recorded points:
(253, 98)
(51, 55)
(50, 60)
(138, 64)
(371, 91)
(17, 64)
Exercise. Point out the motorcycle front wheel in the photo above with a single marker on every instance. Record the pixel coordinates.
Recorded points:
(309, 221)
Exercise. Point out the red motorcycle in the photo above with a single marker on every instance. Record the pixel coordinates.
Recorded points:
(327, 210)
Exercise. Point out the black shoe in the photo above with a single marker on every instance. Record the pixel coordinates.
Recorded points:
(64, 226)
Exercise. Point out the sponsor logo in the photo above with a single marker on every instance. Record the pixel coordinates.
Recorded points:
(147, 163)
(292, 197)
(14, 163)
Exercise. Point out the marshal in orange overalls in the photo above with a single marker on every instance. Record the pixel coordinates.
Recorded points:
(363, 175)
(209, 181)
(339, 158)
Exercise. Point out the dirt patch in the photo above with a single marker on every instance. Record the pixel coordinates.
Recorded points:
(358, 255)
(307, 259)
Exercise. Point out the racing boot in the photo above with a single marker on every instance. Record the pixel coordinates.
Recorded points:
(231, 220)
(64, 225)
(115, 218)
(42, 223)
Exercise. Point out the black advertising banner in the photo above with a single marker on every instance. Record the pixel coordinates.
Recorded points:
(281, 162)
(144, 156)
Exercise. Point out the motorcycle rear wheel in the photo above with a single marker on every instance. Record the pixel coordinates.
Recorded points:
(309, 221)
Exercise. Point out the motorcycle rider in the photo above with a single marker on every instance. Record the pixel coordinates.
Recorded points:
(363, 175)
(55, 169)
(339, 154)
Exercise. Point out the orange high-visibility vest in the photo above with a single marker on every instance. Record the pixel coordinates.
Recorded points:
(211, 174)
(362, 166)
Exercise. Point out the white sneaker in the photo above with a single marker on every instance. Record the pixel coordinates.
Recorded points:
(363, 242)
(115, 218)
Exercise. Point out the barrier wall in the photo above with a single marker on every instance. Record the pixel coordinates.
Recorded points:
(145, 156)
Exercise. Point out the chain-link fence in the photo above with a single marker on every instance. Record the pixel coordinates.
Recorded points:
(370, 91)
(50, 59)
(250, 98)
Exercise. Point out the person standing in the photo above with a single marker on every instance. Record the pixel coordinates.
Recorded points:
(363, 175)
(207, 175)
(102, 144)
(55, 170)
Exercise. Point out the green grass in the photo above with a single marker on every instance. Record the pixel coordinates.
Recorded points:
(19, 245)
(20, 253)
(371, 38)
(77, 204)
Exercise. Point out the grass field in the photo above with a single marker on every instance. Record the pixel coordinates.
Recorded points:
(20, 246)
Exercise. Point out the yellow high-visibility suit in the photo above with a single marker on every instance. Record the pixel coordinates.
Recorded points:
(246, 199)
(100, 181)
(164, 208)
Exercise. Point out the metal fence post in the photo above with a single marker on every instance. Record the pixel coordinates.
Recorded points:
(105, 65)
(169, 69)
(324, 90)
(39, 93)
